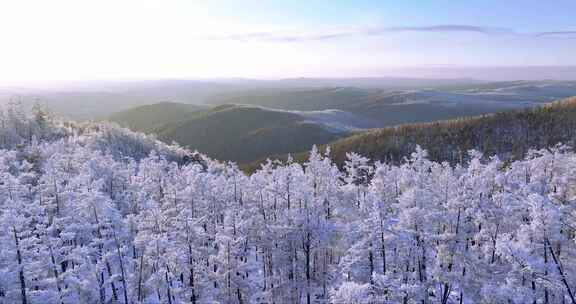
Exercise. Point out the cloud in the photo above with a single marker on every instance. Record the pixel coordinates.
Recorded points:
(365, 31)
(383, 31)
(559, 34)
(452, 28)
(284, 36)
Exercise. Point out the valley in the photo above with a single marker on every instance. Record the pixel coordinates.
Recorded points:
(246, 126)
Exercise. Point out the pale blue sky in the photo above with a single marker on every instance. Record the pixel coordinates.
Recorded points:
(529, 15)
(85, 39)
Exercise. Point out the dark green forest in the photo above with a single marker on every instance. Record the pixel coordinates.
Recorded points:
(509, 135)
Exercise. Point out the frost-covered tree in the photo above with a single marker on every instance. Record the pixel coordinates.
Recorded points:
(93, 213)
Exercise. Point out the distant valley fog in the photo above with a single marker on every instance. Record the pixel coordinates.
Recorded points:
(83, 100)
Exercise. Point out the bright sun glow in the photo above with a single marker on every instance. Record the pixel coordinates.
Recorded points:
(86, 39)
(53, 40)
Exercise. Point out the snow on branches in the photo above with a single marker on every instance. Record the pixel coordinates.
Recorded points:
(98, 214)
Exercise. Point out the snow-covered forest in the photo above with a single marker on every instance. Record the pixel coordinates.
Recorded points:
(93, 213)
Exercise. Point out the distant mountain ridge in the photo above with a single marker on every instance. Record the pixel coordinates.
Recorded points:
(507, 134)
(100, 99)
(391, 107)
(149, 117)
(249, 125)
(238, 132)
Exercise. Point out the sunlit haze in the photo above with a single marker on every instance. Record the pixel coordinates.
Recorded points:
(81, 40)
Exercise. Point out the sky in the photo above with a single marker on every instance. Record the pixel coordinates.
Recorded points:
(54, 40)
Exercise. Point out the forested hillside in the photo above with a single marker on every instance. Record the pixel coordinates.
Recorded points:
(260, 123)
(507, 134)
(238, 133)
(92, 213)
(389, 107)
(149, 117)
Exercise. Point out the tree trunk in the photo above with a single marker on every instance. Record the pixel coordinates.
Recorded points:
(122, 272)
(168, 291)
(140, 276)
(307, 248)
(191, 283)
(561, 272)
(383, 247)
(107, 264)
(55, 271)
(21, 272)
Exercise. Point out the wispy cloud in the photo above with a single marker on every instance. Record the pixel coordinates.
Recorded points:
(284, 36)
(452, 28)
(363, 31)
(568, 34)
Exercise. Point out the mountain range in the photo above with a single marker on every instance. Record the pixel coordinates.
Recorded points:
(245, 126)
(89, 100)
(509, 135)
